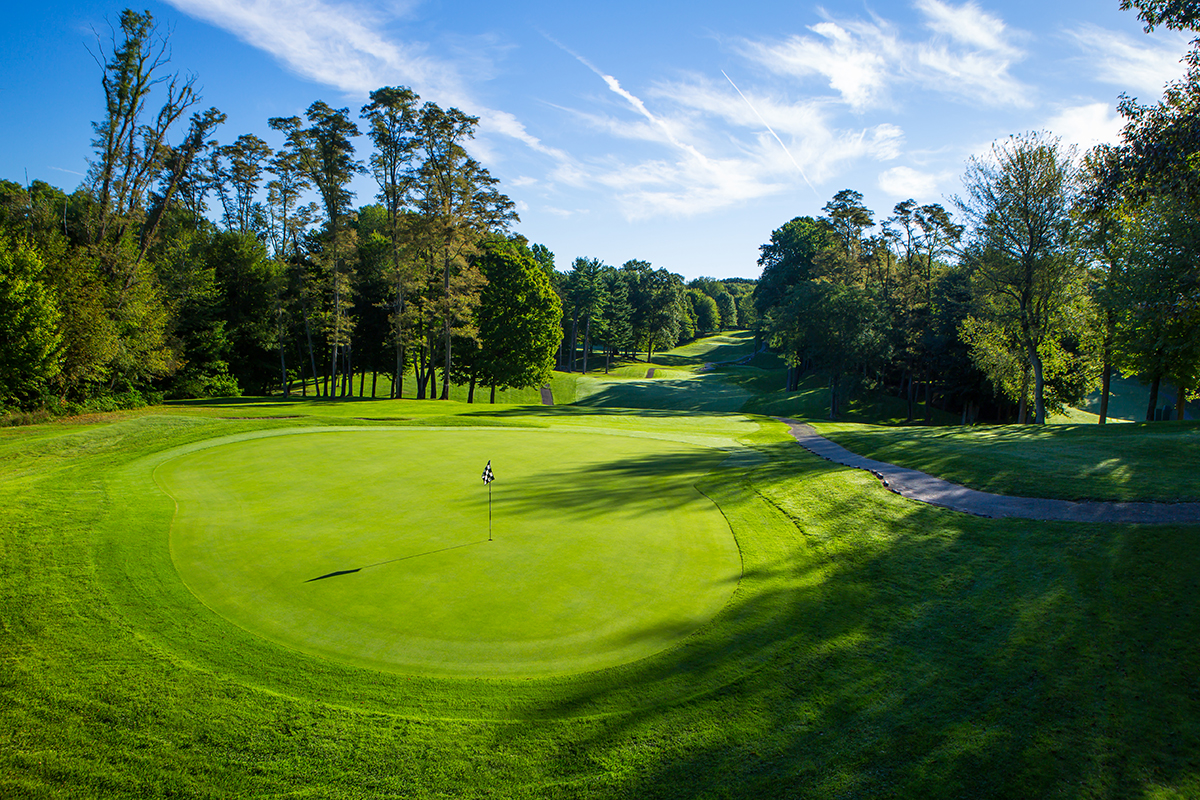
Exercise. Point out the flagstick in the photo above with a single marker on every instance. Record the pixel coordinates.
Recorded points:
(489, 512)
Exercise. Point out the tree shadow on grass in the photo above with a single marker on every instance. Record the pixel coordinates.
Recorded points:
(881, 648)
(623, 486)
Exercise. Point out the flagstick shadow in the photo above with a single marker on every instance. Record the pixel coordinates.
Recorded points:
(393, 561)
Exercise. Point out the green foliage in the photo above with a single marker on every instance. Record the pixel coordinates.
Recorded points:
(708, 318)
(30, 339)
(518, 319)
(1025, 262)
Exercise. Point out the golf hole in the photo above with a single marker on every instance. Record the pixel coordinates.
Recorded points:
(371, 546)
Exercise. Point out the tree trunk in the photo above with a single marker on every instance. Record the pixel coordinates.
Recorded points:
(374, 382)
(1153, 404)
(1039, 388)
(1106, 376)
(432, 375)
(398, 380)
(333, 369)
(574, 336)
(587, 342)
(1023, 408)
(283, 368)
(362, 382)
(419, 370)
(471, 390)
(493, 400)
(312, 358)
(928, 401)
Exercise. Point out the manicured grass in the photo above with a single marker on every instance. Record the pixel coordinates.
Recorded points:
(1141, 461)
(702, 393)
(873, 647)
(389, 565)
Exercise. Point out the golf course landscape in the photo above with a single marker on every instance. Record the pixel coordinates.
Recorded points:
(661, 594)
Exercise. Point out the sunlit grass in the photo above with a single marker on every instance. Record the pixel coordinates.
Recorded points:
(1141, 461)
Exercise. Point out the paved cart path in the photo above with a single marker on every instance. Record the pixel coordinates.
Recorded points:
(927, 489)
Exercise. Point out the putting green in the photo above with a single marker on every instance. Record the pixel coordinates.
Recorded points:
(370, 546)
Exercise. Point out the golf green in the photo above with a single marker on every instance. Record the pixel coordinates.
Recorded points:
(370, 546)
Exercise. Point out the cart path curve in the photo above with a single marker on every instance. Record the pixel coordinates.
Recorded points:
(925, 488)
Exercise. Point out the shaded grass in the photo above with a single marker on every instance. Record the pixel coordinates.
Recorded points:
(874, 648)
(1140, 461)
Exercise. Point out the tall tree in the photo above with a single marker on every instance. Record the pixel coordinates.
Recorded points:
(242, 164)
(393, 118)
(130, 150)
(586, 298)
(518, 319)
(1018, 203)
(460, 203)
(326, 154)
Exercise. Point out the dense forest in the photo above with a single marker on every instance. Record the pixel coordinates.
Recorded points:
(206, 269)
(1052, 270)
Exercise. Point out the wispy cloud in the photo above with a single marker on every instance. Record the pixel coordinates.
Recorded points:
(771, 131)
(1142, 65)
(970, 54)
(967, 24)
(903, 182)
(1086, 125)
(852, 56)
(341, 46)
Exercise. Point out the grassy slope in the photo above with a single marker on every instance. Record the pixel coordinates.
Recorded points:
(874, 648)
(1142, 461)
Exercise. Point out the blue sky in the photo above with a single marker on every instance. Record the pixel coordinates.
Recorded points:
(678, 133)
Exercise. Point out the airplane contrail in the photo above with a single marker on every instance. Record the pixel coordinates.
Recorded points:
(773, 133)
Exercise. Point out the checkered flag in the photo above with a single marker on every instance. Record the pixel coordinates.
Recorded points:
(487, 474)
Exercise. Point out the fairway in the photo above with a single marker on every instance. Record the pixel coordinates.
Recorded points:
(370, 546)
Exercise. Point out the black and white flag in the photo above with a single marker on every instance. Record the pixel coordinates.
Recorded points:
(487, 474)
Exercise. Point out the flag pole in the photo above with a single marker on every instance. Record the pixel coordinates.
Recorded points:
(487, 480)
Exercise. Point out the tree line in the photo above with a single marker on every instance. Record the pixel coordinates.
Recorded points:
(206, 269)
(1051, 270)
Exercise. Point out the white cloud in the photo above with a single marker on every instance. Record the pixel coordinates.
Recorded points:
(341, 46)
(1086, 125)
(853, 56)
(1140, 66)
(969, 54)
(967, 24)
(728, 156)
(336, 45)
(905, 182)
